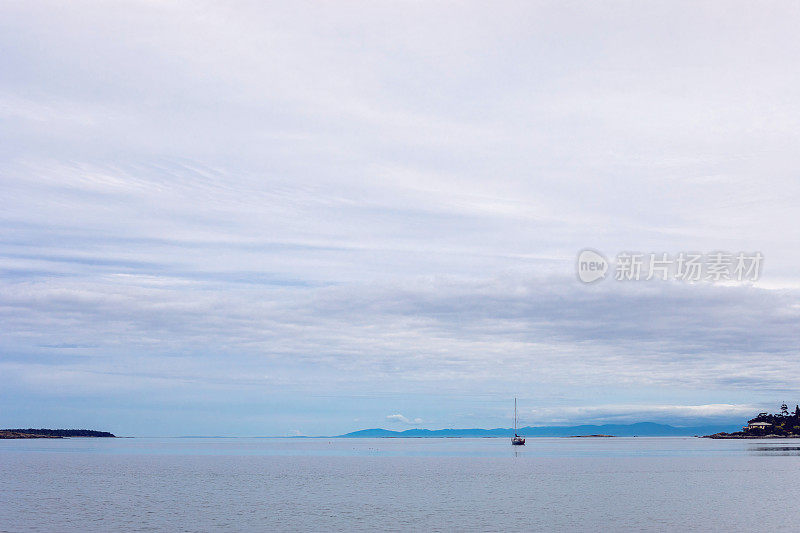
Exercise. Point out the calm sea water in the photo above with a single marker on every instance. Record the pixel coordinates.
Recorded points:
(587, 484)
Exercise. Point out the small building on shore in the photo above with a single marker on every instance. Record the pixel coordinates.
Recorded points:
(758, 425)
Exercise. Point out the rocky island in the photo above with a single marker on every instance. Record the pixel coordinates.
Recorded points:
(42, 433)
(783, 425)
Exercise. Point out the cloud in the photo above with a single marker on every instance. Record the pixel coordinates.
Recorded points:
(676, 414)
(427, 334)
(404, 420)
(352, 212)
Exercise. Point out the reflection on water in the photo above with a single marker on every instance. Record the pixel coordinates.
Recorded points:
(776, 449)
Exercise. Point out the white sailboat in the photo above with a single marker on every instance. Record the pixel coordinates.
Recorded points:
(517, 440)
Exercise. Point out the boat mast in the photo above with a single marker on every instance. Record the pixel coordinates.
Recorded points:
(515, 416)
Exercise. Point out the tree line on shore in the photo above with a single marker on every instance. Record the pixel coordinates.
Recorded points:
(60, 432)
(781, 424)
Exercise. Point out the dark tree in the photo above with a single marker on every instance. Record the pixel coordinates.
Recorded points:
(63, 432)
(784, 409)
(797, 411)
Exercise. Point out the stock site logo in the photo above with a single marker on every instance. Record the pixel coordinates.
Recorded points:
(592, 266)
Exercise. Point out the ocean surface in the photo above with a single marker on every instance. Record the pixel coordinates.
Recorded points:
(558, 484)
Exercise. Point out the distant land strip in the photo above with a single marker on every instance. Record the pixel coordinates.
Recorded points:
(42, 433)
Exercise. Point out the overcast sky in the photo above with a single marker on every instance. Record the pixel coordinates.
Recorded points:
(309, 218)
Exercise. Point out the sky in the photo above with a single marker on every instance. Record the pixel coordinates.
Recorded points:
(308, 218)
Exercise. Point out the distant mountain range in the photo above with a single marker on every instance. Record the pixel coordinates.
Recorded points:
(639, 429)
